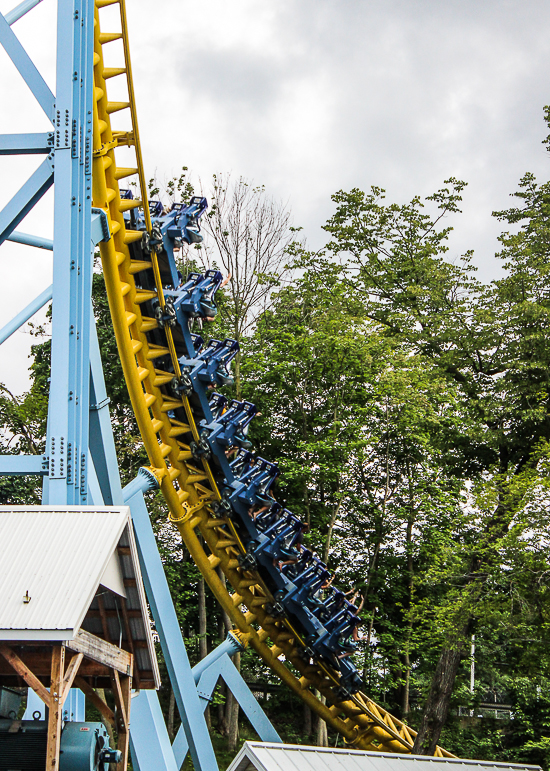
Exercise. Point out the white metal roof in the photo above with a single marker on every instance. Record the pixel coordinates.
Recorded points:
(268, 756)
(56, 557)
(52, 561)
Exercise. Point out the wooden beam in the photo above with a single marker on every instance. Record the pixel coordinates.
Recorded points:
(103, 709)
(101, 651)
(122, 688)
(97, 681)
(40, 665)
(23, 671)
(129, 638)
(103, 615)
(56, 708)
(70, 675)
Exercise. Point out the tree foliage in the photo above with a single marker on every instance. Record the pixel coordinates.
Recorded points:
(407, 404)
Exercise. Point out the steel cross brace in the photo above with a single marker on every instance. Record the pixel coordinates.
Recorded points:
(81, 465)
(68, 165)
(206, 675)
(149, 741)
(193, 688)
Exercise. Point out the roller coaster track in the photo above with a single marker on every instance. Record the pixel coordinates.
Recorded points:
(189, 488)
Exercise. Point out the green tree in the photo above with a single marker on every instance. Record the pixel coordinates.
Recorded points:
(357, 424)
(489, 341)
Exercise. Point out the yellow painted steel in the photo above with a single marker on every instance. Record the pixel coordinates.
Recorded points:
(188, 490)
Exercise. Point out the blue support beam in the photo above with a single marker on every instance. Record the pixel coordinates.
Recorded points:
(20, 10)
(80, 466)
(100, 227)
(26, 68)
(206, 674)
(24, 200)
(27, 313)
(21, 465)
(26, 144)
(149, 741)
(73, 709)
(166, 622)
(29, 240)
(68, 415)
(193, 689)
(101, 442)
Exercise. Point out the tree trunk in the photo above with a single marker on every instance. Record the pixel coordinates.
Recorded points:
(232, 712)
(222, 728)
(229, 722)
(307, 721)
(171, 709)
(439, 698)
(203, 640)
(405, 703)
(237, 374)
(321, 736)
(203, 648)
(222, 725)
(332, 522)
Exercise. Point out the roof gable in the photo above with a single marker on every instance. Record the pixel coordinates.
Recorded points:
(269, 756)
(52, 560)
(56, 561)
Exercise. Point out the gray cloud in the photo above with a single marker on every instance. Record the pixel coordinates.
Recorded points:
(340, 94)
(310, 96)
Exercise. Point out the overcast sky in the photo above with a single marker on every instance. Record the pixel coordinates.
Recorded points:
(311, 96)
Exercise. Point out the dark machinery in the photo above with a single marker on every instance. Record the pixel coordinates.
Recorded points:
(84, 746)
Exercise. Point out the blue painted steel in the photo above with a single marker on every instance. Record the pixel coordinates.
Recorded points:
(24, 200)
(30, 240)
(74, 708)
(21, 10)
(79, 434)
(234, 681)
(143, 482)
(149, 742)
(36, 709)
(100, 227)
(21, 465)
(67, 439)
(228, 647)
(104, 466)
(26, 144)
(206, 674)
(26, 68)
(190, 703)
(27, 313)
(167, 626)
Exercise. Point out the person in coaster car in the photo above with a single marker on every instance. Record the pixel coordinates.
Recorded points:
(209, 316)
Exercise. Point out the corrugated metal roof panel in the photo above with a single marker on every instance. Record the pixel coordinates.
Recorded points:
(266, 756)
(58, 556)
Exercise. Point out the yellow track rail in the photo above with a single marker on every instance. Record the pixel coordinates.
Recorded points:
(188, 489)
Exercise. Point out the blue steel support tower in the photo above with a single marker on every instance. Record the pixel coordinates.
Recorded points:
(79, 465)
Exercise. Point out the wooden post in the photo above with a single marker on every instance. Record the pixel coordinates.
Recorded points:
(55, 707)
(122, 689)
